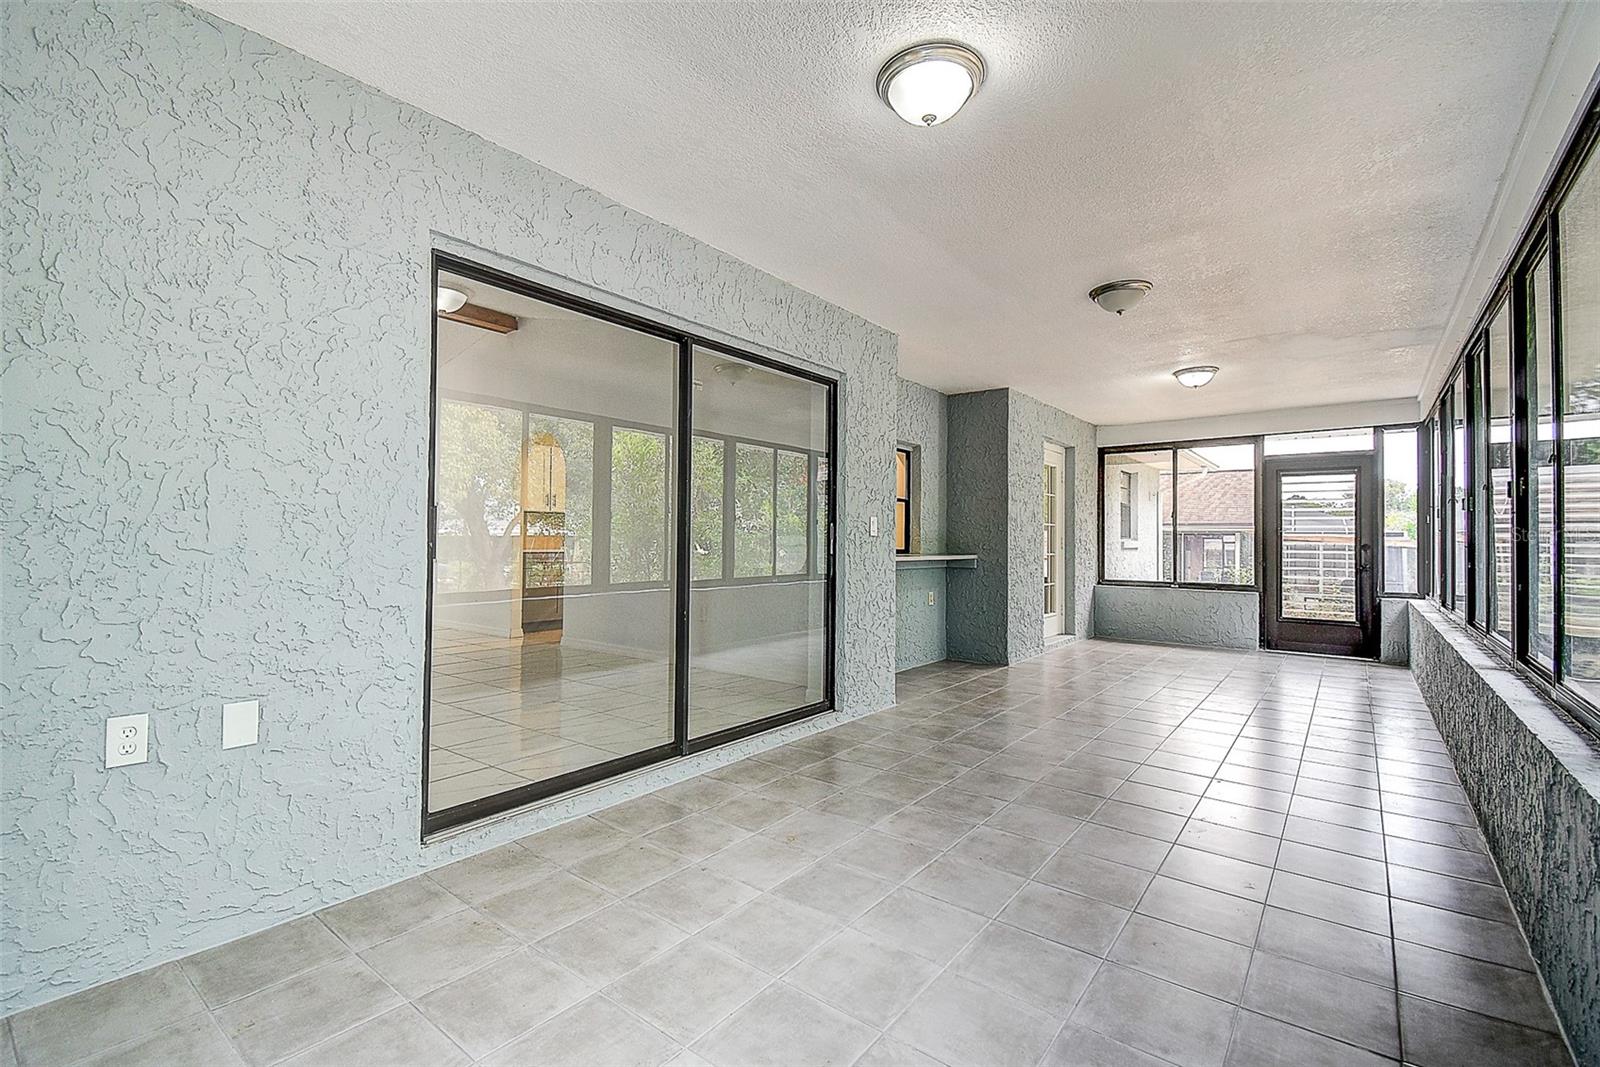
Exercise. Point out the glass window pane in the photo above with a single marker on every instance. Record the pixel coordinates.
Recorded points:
(902, 526)
(752, 511)
(708, 483)
(1146, 555)
(1217, 514)
(1400, 511)
(759, 648)
(1358, 439)
(1441, 499)
(1541, 462)
(794, 495)
(535, 496)
(639, 530)
(1580, 429)
(902, 474)
(1458, 492)
(1497, 562)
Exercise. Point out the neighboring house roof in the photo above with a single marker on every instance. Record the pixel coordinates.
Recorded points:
(1214, 498)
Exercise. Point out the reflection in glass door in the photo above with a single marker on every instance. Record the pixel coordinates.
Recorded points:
(758, 606)
(552, 613)
(559, 608)
(1322, 518)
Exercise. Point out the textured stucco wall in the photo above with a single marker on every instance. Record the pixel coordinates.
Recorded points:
(1534, 780)
(995, 459)
(976, 475)
(920, 633)
(1394, 631)
(1223, 618)
(919, 626)
(216, 331)
(923, 423)
(1032, 423)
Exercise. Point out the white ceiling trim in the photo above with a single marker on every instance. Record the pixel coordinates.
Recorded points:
(1284, 420)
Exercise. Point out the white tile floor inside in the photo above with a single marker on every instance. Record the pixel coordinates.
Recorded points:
(1113, 854)
(506, 712)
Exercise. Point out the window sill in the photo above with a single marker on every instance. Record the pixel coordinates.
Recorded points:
(911, 562)
(1211, 587)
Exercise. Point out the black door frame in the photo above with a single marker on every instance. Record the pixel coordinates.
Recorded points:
(682, 743)
(1359, 638)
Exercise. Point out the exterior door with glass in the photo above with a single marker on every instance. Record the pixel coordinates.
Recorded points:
(1055, 525)
(1323, 523)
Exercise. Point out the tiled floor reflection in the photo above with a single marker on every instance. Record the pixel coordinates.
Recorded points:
(509, 711)
(1114, 854)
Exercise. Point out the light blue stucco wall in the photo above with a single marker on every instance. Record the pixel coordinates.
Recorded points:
(920, 626)
(977, 471)
(923, 425)
(1032, 423)
(1222, 618)
(995, 460)
(216, 324)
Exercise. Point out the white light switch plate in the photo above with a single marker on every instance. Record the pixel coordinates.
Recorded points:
(872, 526)
(127, 740)
(241, 723)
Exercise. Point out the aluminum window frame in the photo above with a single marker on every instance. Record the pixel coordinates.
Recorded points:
(1540, 236)
(1174, 447)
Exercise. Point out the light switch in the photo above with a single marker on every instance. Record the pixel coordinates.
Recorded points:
(241, 723)
(872, 526)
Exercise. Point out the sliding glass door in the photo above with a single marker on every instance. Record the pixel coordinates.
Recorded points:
(565, 532)
(758, 606)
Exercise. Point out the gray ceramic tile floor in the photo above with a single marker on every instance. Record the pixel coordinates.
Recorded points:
(1112, 854)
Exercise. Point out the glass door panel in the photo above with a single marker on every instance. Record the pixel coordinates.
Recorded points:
(1317, 515)
(552, 614)
(758, 622)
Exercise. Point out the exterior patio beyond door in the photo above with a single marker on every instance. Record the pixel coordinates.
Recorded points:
(1323, 517)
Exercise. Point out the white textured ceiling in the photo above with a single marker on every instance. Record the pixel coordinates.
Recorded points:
(1305, 183)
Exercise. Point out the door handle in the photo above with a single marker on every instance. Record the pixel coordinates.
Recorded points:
(1365, 563)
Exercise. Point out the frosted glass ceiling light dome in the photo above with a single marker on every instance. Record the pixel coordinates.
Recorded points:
(928, 83)
(449, 300)
(1117, 297)
(1195, 377)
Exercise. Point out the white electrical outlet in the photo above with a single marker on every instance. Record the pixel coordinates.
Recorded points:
(127, 740)
(930, 599)
(241, 723)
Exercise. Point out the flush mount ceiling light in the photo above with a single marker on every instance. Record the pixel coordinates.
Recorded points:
(1117, 297)
(734, 372)
(448, 300)
(1195, 377)
(928, 83)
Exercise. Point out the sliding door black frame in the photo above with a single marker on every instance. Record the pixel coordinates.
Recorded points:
(682, 744)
